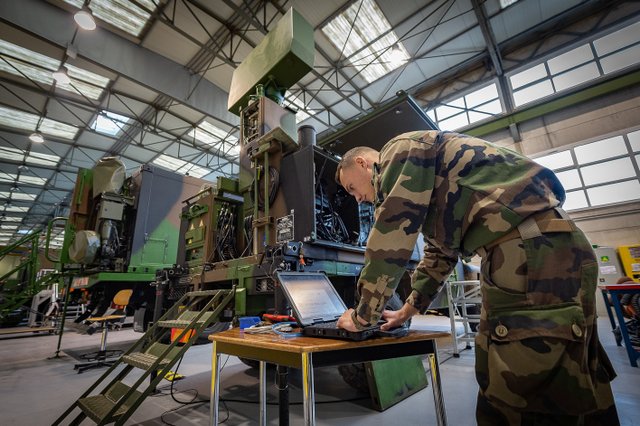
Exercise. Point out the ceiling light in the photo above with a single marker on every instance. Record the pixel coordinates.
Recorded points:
(36, 137)
(61, 75)
(397, 56)
(84, 19)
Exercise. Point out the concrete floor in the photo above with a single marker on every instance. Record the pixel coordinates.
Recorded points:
(35, 388)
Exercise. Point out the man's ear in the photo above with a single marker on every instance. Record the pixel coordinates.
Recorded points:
(361, 161)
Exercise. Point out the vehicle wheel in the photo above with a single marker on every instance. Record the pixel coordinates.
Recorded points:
(216, 327)
(355, 376)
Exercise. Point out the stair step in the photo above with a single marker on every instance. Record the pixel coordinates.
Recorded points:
(176, 323)
(186, 319)
(142, 360)
(96, 407)
(204, 293)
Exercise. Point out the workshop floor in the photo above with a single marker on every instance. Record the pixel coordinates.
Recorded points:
(35, 388)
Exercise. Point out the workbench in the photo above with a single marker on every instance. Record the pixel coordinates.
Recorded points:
(307, 352)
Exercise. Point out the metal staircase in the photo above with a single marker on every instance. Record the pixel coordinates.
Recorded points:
(117, 401)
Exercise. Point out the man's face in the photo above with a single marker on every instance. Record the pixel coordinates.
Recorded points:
(356, 180)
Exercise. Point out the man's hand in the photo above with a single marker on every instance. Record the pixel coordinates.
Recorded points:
(346, 322)
(397, 318)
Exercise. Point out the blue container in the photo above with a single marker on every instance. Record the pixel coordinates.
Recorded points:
(246, 322)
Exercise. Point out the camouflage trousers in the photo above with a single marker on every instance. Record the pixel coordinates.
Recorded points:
(538, 357)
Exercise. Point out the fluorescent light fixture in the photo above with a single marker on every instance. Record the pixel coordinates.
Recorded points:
(122, 14)
(36, 137)
(24, 231)
(16, 119)
(23, 62)
(61, 76)
(84, 19)
(109, 123)
(369, 23)
(7, 227)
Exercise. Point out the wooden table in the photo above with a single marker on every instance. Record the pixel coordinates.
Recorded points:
(614, 290)
(307, 352)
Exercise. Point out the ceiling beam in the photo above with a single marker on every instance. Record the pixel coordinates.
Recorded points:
(119, 55)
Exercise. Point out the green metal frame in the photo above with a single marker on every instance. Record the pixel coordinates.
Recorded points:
(48, 237)
(15, 300)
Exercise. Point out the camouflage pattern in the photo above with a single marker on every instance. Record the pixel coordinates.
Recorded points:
(464, 193)
(538, 296)
(460, 192)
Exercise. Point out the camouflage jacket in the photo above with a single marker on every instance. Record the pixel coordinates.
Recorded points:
(460, 192)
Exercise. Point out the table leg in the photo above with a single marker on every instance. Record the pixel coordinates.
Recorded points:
(215, 385)
(607, 305)
(631, 352)
(307, 390)
(436, 385)
(263, 393)
(282, 381)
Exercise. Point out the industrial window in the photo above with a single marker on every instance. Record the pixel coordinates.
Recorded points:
(506, 3)
(470, 108)
(34, 66)
(181, 166)
(12, 208)
(294, 102)
(353, 30)
(109, 123)
(57, 241)
(587, 62)
(15, 195)
(213, 136)
(600, 172)
(11, 219)
(10, 177)
(123, 14)
(25, 121)
(19, 155)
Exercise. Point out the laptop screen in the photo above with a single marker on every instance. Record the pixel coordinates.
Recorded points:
(312, 296)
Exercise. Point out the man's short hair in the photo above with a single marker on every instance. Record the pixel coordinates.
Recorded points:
(349, 158)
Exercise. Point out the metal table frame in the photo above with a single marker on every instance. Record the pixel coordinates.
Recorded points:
(306, 352)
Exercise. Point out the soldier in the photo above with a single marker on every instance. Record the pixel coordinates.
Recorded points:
(538, 357)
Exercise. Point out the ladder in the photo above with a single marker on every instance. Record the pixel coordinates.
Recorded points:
(117, 401)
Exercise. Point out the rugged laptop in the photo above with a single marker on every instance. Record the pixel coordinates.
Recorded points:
(317, 306)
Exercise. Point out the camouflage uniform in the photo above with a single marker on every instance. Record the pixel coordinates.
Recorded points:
(537, 349)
